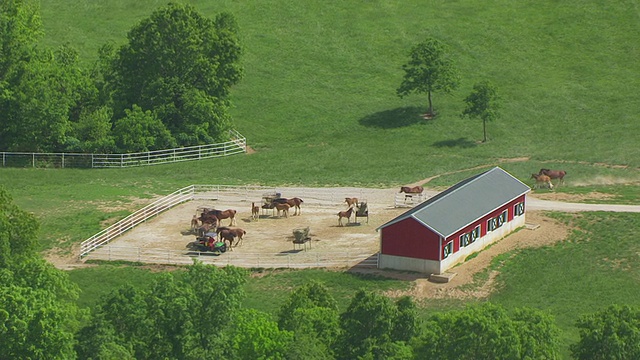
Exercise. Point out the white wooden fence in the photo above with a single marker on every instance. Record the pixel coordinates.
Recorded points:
(409, 200)
(237, 145)
(294, 259)
(205, 192)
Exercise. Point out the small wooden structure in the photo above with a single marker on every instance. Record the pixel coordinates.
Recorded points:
(363, 211)
(301, 238)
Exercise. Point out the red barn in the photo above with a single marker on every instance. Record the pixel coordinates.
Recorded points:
(442, 231)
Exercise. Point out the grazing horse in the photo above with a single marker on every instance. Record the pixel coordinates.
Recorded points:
(541, 179)
(236, 232)
(205, 229)
(345, 214)
(409, 191)
(255, 211)
(194, 223)
(282, 207)
(554, 174)
(351, 201)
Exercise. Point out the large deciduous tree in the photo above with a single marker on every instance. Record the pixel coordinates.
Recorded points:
(482, 103)
(179, 317)
(368, 327)
(612, 334)
(430, 69)
(181, 66)
(488, 331)
(38, 315)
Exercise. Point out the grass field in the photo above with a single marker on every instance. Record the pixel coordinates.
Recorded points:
(318, 105)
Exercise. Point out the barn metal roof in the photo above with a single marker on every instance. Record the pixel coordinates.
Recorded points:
(466, 201)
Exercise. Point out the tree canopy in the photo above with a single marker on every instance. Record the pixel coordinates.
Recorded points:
(430, 69)
(173, 76)
(613, 334)
(482, 104)
(181, 66)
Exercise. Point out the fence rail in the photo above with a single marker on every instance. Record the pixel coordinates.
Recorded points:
(237, 145)
(297, 260)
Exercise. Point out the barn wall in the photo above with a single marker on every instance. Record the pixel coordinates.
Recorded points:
(409, 264)
(461, 253)
(409, 238)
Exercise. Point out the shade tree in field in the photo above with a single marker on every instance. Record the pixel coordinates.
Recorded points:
(181, 66)
(482, 103)
(429, 70)
(612, 334)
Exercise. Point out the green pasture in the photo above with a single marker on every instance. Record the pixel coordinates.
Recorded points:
(318, 106)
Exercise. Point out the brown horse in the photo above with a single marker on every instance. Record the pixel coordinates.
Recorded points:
(226, 214)
(208, 218)
(255, 211)
(345, 214)
(554, 174)
(282, 207)
(351, 201)
(409, 191)
(541, 179)
(412, 190)
(295, 204)
(228, 233)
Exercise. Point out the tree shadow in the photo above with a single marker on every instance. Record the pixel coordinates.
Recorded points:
(395, 118)
(459, 142)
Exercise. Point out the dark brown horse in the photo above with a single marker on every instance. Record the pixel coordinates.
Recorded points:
(541, 179)
(293, 203)
(230, 234)
(208, 218)
(554, 174)
(410, 191)
(345, 214)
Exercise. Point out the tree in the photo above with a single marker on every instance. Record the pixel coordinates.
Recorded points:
(488, 331)
(181, 66)
(367, 328)
(255, 336)
(482, 103)
(38, 314)
(185, 316)
(429, 70)
(311, 313)
(18, 231)
(613, 333)
(141, 131)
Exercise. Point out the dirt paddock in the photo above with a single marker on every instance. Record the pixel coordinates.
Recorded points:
(273, 234)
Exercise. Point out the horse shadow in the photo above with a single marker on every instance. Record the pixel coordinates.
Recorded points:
(462, 142)
(394, 118)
